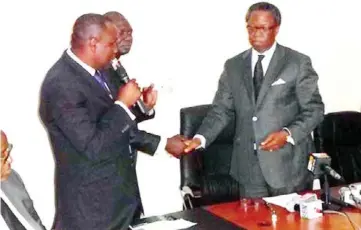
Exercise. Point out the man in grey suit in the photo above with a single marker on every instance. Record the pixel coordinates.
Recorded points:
(17, 208)
(272, 92)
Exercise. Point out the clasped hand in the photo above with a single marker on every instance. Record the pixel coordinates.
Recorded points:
(179, 145)
(130, 93)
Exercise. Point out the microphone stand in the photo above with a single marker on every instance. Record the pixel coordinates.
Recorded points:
(330, 203)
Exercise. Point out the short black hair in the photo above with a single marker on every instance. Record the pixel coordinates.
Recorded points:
(86, 26)
(265, 6)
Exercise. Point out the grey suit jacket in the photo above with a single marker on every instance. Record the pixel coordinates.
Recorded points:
(296, 105)
(15, 191)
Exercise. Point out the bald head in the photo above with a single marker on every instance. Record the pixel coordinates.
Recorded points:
(5, 158)
(125, 38)
(114, 16)
(94, 40)
(4, 141)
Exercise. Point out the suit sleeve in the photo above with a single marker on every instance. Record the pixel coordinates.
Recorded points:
(92, 137)
(140, 116)
(309, 100)
(143, 141)
(222, 110)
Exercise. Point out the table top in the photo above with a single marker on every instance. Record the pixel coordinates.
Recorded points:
(204, 219)
(258, 216)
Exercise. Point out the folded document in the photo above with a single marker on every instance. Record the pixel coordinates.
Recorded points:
(165, 225)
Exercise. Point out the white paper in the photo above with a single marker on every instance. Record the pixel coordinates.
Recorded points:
(166, 225)
(286, 201)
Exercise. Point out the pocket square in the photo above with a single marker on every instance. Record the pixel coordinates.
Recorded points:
(279, 81)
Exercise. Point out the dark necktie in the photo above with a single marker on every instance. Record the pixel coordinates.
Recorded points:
(258, 76)
(100, 78)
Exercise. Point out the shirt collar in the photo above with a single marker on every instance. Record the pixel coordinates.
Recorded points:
(267, 53)
(88, 68)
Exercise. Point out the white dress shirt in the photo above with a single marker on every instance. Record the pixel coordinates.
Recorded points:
(265, 63)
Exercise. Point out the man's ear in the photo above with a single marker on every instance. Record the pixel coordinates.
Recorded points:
(276, 30)
(93, 43)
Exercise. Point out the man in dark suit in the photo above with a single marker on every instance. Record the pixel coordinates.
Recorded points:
(92, 132)
(149, 95)
(272, 92)
(17, 209)
(124, 45)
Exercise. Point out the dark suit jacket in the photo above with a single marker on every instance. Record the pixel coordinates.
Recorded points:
(115, 83)
(296, 104)
(95, 177)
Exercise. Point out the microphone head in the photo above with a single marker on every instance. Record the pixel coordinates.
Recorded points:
(317, 162)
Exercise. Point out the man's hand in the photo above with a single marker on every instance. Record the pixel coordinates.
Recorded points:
(192, 144)
(149, 96)
(175, 145)
(129, 93)
(274, 141)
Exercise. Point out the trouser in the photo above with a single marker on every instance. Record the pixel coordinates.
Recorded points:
(258, 186)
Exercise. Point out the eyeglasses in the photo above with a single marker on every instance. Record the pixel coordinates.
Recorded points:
(8, 151)
(262, 29)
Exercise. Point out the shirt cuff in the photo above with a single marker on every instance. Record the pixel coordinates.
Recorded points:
(127, 110)
(151, 112)
(203, 141)
(289, 137)
(161, 146)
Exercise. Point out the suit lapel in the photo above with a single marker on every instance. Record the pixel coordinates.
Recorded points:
(245, 71)
(86, 76)
(248, 75)
(9, 217)
(278, 60)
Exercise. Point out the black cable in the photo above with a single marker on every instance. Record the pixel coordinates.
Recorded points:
(349, 219)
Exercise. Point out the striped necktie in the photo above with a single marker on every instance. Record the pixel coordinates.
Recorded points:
(100, 78)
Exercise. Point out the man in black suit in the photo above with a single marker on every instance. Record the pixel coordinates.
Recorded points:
(92, 132)
(149, 95)
(124, 44)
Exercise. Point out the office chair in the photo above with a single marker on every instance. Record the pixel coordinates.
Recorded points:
(339, 135)
(205, 178)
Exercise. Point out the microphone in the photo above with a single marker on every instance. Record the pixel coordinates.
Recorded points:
(330, 171)
(319, 163)
(119, 69)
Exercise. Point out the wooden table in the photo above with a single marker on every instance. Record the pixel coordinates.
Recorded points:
(258, 216)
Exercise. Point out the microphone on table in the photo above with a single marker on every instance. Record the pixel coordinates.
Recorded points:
(319, 163)
(119, 69)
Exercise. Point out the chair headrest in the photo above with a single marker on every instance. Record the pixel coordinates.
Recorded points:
(342, 128)
(191, 118)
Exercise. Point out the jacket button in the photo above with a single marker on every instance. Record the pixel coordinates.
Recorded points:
(254, 118)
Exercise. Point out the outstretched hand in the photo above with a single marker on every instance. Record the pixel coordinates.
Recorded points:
(176, 145)
(192, 144)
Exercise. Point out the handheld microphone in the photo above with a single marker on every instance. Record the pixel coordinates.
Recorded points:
(319, 163)
(119, 69)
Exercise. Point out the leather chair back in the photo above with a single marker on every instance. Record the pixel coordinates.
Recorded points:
(339, 135)
(207, 171)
